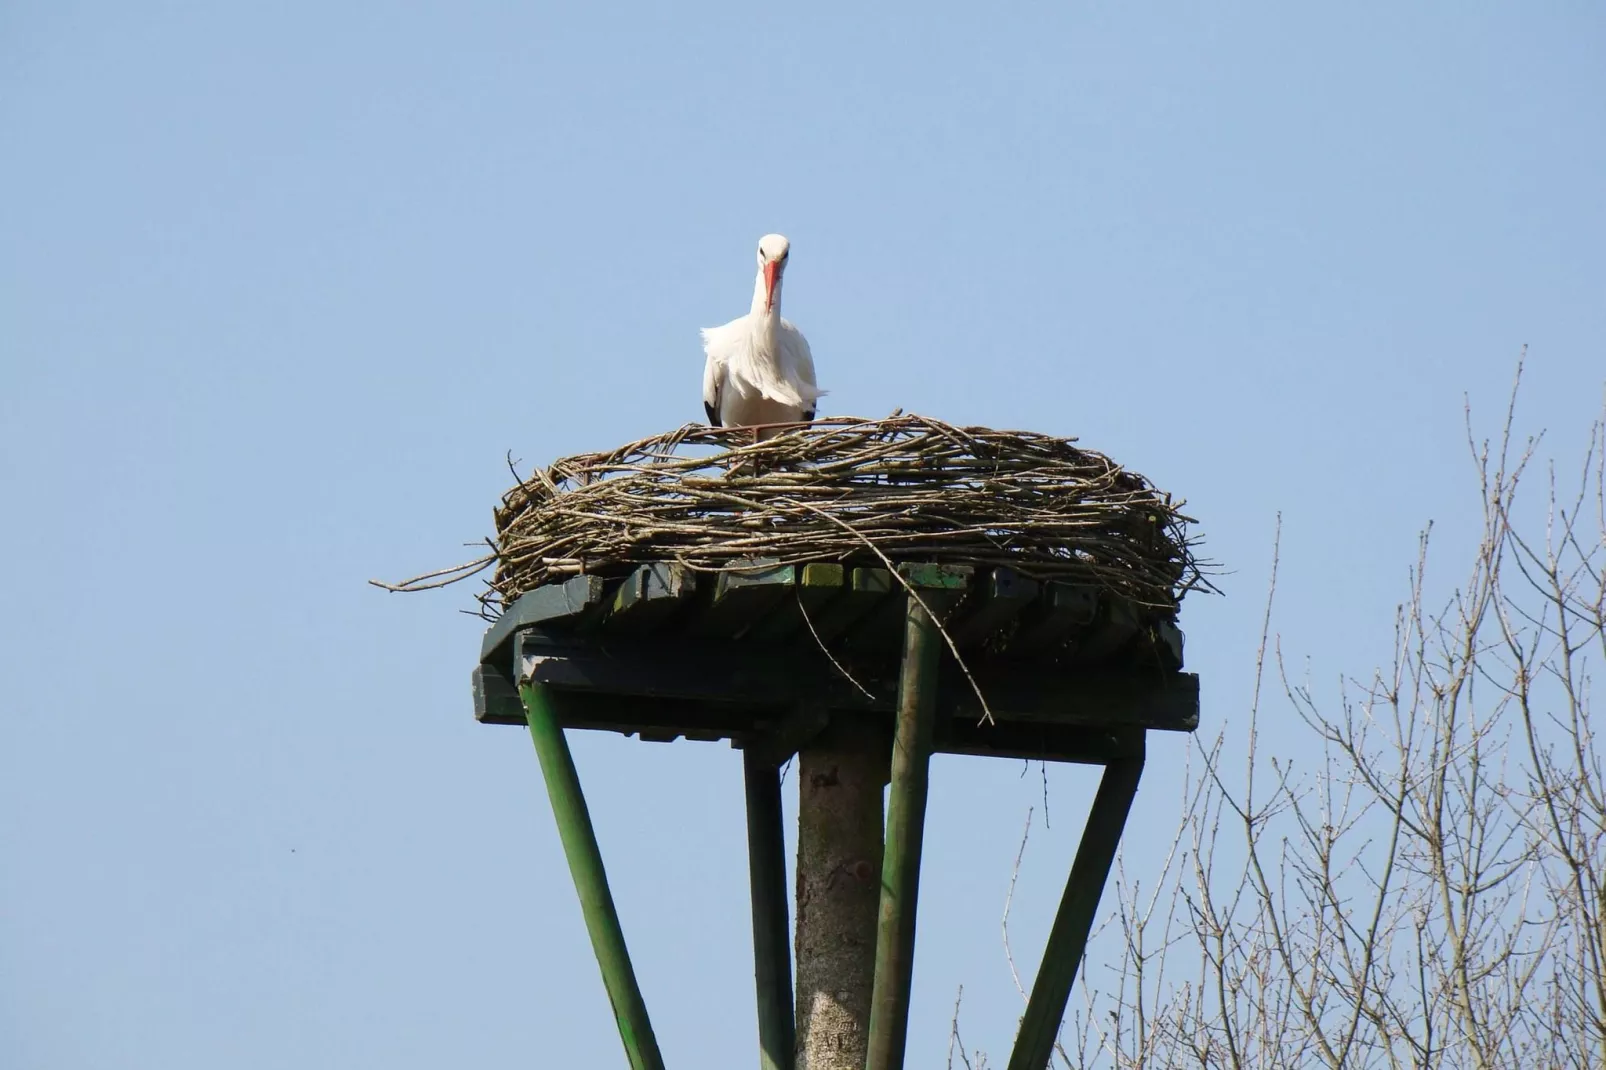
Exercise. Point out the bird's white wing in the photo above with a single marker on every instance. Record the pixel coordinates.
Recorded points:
(713, 379)
(797, 364)
(717, 346)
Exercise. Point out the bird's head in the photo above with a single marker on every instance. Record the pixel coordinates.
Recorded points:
(772, 253)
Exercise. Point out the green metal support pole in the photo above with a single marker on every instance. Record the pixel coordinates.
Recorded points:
(590, 880)
(906, 819)
(766, 871)
(1045, 1010)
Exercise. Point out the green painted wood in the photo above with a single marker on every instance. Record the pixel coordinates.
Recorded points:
(739, 600)
(1168, 645)
(766, 871)
(744, 605)
(817, 585)
(1050, 717)
(1045, 742)
(824, 576)
(1061, 611)
(591, 881)
(660, 718)
(937, 577)
(648, 598)
(940, 587)
(659, 735)
(652, 667)
(496, 700)
(1093, 698)
(906, 819)
(773, 683)
(1067, 940)
(552, 605)
(994, 603)
(1078, 721)
(1157, 648)
(1114, 630)
(865, 589)
(779, 740)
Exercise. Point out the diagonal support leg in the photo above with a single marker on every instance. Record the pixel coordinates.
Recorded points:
(590, 880)
(1045, 1010)
(906, 818)
(766, 871)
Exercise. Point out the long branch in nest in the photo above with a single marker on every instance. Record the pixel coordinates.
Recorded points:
(905, 488)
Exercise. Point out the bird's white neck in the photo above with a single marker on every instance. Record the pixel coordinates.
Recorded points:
(767, 314)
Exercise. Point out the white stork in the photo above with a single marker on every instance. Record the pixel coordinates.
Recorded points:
(759, 368)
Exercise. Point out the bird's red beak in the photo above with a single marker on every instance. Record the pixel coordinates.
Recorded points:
(772, 275)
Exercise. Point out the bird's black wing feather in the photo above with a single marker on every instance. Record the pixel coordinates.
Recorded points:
(713, 413)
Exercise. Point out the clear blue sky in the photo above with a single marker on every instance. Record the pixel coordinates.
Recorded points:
(279, 285)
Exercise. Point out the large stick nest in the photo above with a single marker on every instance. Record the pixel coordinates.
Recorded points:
(906, 488)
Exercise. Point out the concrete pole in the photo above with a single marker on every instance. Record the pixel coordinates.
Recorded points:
(841, 774)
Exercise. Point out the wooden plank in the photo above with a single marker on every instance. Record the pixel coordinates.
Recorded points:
(1115, 628)
(779, 741)
(817, 585)
(865, 589)
(739, 600)
(672, 733)
(1168, 644)
(668, 719)
(550, 605)
(705, 671)
(1042, 713)
(648, 598)
(1158, 647)
(1092, 698)
(992, 604)
(496, 700)
(1060, 611)
(752, 678)
(938, 577)
(1039, 742)
(940, 587)
(632, 714)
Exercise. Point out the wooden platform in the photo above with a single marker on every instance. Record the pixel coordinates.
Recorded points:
(1069, 673)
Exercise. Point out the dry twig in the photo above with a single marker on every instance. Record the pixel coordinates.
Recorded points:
(902, 489)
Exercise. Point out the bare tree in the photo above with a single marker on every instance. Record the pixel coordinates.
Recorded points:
(1428, 887)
